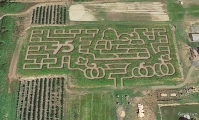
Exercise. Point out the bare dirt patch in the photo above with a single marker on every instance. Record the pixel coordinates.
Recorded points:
(120, 113)
(79, 13)
(149, 109)
(133, 11)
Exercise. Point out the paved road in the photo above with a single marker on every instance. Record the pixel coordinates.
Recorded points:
(194, 64)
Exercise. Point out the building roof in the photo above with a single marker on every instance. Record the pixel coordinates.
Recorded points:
(140, 110)
(163, 95)
(195, 37)
(173, 94)
(187, 116)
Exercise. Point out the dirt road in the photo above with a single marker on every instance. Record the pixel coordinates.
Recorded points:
(179, 85)
(13, 65)
(194, 64)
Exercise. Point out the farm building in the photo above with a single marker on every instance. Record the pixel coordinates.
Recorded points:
(173, 94)
(194, 37)
(163, 95)
(140, 110)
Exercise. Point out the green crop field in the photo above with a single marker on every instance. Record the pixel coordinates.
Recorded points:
(175, 112)
(95, 106)
(106, 53)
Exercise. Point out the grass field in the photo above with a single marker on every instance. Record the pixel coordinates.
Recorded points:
(176, 11)
(175, 112)
(84, 71)
(8, 100)
(11, 7)
(95, 106)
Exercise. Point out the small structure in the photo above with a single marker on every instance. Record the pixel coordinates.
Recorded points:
(140, 110)
(127, 97)
(180, 2)
(194, 37)
(193, 88)
(193, 52)
(173, 94)
(187, 117)
(163, 95)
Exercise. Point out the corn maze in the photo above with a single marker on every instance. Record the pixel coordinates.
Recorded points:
(51, 14)
(109, 54)
(40, 99)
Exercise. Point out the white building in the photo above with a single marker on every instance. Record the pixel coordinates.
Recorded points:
(140, 110)
(195, 37)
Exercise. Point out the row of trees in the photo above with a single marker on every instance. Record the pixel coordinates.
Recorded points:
(40, 96)
(49, 15)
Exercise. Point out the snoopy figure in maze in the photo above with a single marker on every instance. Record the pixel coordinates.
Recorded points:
(120, 47)
(113, 46)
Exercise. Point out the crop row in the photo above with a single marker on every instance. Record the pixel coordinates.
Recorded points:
(53, 14)
(40, 99)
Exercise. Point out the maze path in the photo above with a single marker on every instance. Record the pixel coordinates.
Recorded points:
(109, 56)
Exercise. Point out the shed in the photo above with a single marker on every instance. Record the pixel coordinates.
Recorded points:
(173, 94)
(163, 95)
(194, 37)
(140, 110)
